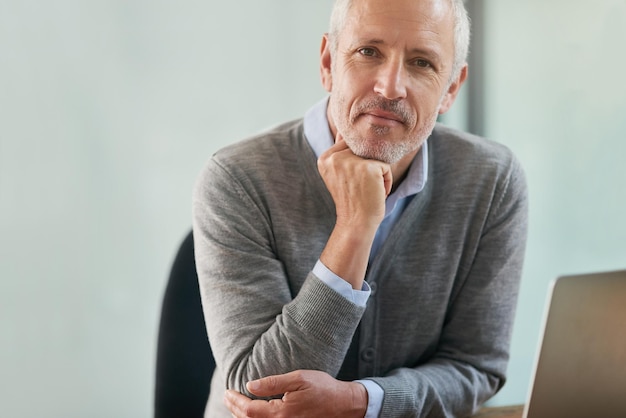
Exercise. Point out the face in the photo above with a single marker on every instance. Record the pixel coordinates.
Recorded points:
(390, 75)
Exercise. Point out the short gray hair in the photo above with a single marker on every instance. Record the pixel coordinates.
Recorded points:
(461, 30)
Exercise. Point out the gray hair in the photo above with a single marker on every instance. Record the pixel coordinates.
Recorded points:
(461, 30)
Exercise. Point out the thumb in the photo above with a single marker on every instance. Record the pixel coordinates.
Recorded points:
(273, 385)
(388, 180)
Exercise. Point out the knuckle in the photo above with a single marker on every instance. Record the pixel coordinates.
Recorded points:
(300, 376)
(247, 410)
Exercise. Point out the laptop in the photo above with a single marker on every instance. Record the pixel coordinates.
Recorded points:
(580, 370)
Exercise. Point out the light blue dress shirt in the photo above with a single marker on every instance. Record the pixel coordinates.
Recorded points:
(319, 136)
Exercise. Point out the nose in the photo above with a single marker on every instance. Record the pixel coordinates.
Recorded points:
(391, 80)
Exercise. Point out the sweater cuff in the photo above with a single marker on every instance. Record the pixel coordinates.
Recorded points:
(324, 314)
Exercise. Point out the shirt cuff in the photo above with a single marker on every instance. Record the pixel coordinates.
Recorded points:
(375, 396)
(339, 285)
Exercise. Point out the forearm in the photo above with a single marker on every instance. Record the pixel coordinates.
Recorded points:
(347, 252)
(442, 387)
(257, 330)
(255, 325)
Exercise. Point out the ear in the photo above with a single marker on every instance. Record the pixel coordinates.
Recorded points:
(453, 91)
(325, 64)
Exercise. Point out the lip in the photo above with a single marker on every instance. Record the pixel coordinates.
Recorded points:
(383, 116)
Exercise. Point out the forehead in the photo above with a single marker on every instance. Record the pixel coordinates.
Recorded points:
(416, 23)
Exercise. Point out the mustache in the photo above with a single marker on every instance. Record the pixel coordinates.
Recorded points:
(395, 107)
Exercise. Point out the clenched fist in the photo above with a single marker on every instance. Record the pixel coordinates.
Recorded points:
(359, 188)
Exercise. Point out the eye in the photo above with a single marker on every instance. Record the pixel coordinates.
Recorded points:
(422, 63)
(368, 52)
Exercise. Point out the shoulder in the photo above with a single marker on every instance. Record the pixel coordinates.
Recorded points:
(461, 153)
(473, 168)
(456, 144)
(261, 160)
(278, 141)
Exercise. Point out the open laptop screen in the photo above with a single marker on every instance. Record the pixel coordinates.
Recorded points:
(581, 365)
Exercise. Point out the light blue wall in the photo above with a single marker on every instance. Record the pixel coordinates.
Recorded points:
(556, 94)
(108, 109)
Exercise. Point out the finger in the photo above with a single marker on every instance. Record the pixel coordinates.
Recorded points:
(335, 149)
(236, 403)
(275, 385)
(340, 144)
(267, 386)
(387, 179)
(241, 406)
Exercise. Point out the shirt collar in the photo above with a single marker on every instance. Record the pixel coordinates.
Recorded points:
(318, 134)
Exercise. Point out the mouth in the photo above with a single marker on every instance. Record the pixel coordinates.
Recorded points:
(383, 117)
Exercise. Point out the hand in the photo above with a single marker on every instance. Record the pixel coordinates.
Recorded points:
(357, 185)
(306, 393)
(359, 188)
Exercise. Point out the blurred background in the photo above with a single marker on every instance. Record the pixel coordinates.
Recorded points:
(109, 109)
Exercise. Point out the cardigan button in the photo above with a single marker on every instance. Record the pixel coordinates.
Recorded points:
(368, 354)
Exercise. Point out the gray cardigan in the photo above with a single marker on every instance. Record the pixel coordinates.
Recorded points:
(435, 333)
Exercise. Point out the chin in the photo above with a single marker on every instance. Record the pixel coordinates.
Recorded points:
(379, 150)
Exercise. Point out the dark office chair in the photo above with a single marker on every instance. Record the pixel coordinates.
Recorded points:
(184, 363)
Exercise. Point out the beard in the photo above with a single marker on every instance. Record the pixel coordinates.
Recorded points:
(378, 143)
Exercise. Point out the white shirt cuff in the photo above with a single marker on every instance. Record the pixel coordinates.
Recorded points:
(375, 396)
(339, 285)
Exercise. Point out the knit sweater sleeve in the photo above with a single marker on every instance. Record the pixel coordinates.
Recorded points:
(260, 321)
(469, 364)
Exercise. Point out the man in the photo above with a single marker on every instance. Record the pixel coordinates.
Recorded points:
(364, 261)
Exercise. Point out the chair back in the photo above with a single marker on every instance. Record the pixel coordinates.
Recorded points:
(185, 362)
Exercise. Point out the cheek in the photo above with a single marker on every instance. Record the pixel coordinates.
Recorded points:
(345, 98)
(354, 82)
(427, 98)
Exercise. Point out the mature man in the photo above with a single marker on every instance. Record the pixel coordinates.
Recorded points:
(364, 261)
